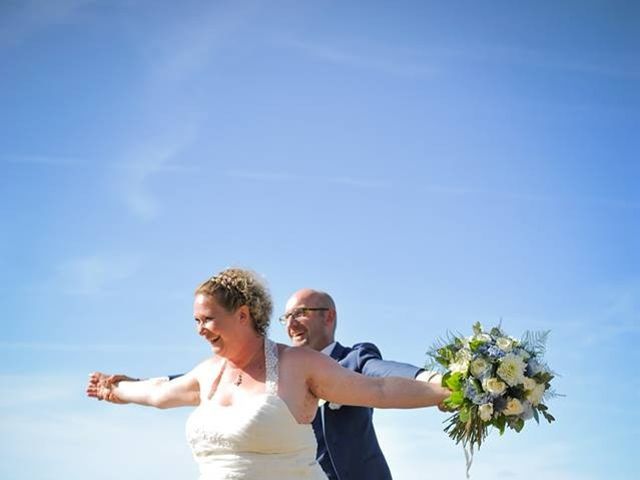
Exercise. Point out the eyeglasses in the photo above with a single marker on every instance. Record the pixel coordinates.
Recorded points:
(299, 312)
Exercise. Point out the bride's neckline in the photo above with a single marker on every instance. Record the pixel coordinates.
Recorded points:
(264, 397)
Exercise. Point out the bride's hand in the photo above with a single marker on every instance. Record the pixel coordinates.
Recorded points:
(101, 386)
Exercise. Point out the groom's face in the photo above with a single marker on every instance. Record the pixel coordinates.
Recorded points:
(307, 327)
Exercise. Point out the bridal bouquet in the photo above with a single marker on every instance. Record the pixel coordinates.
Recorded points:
(495, 381)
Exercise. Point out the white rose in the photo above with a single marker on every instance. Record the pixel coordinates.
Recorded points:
(479, 366)
(461, 363)
(529, 383)
(505, 344)
(460, 366)
(483, 337)
(535, 395)
(485, 410)
(511, 369)
(514, 407)
(494, 386)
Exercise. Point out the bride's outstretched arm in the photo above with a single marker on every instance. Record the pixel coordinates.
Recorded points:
(329, 381)
(155, 392)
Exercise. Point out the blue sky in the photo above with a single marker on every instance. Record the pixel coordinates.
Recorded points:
(429, 164)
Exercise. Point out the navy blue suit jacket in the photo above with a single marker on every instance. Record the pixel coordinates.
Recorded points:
(347, 444)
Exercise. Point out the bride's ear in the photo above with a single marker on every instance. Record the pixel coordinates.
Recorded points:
(244, 316)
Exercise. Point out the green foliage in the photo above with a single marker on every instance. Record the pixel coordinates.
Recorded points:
(477, 328)
(543, 377)
(518, 424)
(547, 416)
(453, 381)
(455, 400)
(496, 332)
(500, 423)
(474, 344)
(535, 342)
(465, 414)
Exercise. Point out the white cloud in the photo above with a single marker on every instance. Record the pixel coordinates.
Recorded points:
(95, 347)
(280, 177)
(142, 162)
(43, 160)
(93, 274)
(186, 47)
(382, 60)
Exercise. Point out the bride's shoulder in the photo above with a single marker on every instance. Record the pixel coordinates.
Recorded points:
(205, 365)
(297, 354)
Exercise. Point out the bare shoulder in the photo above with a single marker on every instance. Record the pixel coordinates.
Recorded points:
(204, 367)
(297, 353)
(303, 358)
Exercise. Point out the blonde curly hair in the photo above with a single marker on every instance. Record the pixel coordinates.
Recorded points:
(235, 287)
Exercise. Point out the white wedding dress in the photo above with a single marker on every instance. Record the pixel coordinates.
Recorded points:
(255, 440)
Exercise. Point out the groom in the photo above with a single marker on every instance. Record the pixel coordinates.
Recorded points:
(347, 444)
(348, 448)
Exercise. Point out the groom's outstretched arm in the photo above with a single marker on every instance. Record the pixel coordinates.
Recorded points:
(371, 364)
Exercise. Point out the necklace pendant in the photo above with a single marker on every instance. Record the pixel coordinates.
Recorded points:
(238, 381)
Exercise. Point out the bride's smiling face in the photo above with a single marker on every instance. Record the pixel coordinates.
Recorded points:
(214, 323)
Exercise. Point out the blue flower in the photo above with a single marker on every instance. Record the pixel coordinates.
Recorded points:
(491, 351)
(499, 403)
(534, 367)
(475, 393)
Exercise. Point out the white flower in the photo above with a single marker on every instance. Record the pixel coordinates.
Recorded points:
(505, 344)
(331, 405)
(494, 386)
(479, 366)
(483, 337)
(535, 395)
(514, 407)
(485, 410)
(523, 354)
(527, 411)
(460, 366)
(461, 363)
(511, 369)
(529, 383)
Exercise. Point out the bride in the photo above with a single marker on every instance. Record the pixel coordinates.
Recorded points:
(256, 399)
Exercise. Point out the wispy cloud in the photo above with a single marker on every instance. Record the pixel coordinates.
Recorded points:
(186, 47)
(613, 64)
(436, 189)
(146, 160)
(138, 443)
(92, 274)
(87, 347)
(550, 198)
(391, 62)
(175, 59)
(284, 177)
(402, 61)
(43, 160)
